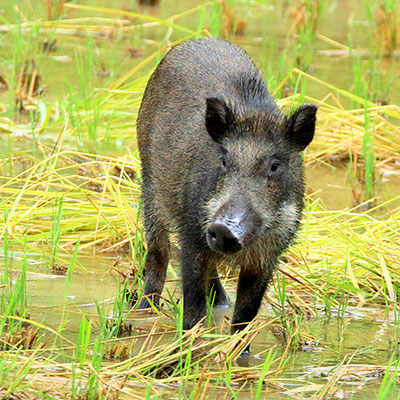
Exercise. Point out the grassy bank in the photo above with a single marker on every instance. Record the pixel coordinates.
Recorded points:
(70, 189)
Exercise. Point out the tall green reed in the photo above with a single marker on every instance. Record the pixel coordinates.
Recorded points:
(368, 153)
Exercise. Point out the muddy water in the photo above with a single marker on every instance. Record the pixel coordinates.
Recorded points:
(89, 284)
(341, 20)
(369, 331)
(333, 187)
(366, 333)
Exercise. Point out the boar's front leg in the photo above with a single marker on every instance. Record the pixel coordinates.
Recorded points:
(157, 251)
(251, 288)
(155, 270)
(194, 264)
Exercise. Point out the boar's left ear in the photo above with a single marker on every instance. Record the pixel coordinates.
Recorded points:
(218, 118)
(302, 126)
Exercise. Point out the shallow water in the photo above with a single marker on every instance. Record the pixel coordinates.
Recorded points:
(365, 333)
(341, 20)
(370, 332)
(333, 188)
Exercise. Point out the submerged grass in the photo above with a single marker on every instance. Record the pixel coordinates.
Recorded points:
(157, 363)
(70, 179)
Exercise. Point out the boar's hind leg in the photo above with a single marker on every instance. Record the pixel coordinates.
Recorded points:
(251, 288)
(216, 290)
(156, 260)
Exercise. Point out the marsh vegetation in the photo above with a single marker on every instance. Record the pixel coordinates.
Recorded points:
(72, 75)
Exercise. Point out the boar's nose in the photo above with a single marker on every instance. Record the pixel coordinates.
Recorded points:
(220, 238)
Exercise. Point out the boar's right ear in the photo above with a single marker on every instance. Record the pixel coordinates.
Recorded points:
(302, 126)
(218, 118)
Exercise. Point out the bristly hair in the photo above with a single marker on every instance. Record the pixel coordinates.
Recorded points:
(254, 91)
(260, 123)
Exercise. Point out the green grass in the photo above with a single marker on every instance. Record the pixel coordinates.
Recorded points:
(368, 154)
(70, 184)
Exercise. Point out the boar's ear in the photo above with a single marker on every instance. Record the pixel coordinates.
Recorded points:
(302, 126)
(218, 118)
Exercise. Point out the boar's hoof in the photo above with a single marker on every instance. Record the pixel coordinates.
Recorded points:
(221, 239)
(245, 352)
(145, 303)
(189, 323)
(222, 300)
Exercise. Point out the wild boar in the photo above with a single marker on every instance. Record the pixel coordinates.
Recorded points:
(221, 167)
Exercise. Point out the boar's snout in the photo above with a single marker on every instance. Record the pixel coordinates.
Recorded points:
(221, 238)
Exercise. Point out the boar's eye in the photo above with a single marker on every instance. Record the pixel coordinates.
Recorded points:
(270, 166)
(275, 166)
(223, 158)
(223, 165)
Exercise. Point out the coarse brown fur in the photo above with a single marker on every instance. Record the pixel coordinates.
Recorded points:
(219, 162)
